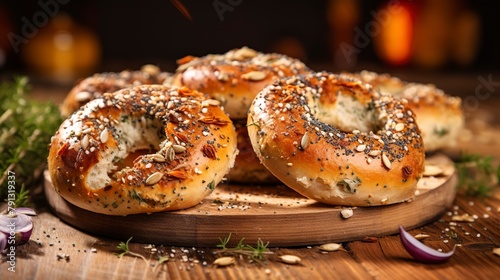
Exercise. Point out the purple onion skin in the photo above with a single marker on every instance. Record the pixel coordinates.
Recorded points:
(23, 226)
(3, 242)
(421, 252)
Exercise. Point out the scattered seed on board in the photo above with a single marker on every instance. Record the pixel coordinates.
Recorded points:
(347, 213)
(432, 170)
(421, 236)
(224, 261)
(496, 251)
(290, 259)
(330, 247)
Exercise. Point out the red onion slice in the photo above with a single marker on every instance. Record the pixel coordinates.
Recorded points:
(25, 211)
(3, 242)
(421, 252)
(20, 224)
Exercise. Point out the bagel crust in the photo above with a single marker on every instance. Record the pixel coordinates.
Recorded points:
(333, 139)
(235, 78)
(141, 150)
(247, 167)
(98, 84)
(439, 116)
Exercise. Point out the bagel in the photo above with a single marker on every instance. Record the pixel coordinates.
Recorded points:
(333, 139)
(94, 86)
(144, 149)
(439, 116)
(235, 78)
(247, 167)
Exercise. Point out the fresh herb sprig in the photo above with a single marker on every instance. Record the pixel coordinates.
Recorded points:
(477, 174)
(256, 253)
(124, 250)
(25, 129)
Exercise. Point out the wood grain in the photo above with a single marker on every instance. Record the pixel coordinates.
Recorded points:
(273, 213)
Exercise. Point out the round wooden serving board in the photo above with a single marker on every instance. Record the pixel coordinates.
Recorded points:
(275, 214)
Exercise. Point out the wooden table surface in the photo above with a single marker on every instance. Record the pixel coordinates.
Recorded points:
(58, 251)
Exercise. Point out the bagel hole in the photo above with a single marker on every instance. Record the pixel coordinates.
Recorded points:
(347, 113)
(135, 137)
(128, 161)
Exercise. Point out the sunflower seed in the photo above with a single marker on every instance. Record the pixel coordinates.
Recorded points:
(432, 170)
(244, 53)
(374, 153)
(211, 102)
(361, 148)
(158, 158)
(85, 142)
(347, 213)
(330, 247)
(178, 148)
(290, 259)
(386, 161)
(399, 126)
(224, 261)
(421, 236)
(154, 178)
(304, 142)
(104, 136)
(83, 96)
(254, 76)
(496, 251)
(170, 154)
(150, 69)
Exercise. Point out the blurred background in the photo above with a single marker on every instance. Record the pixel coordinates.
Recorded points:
(447, 42)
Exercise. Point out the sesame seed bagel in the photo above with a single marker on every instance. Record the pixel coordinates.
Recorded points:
(144, 149)
(247, 167)
(439, 116)
(97, 84)
(235, 78)
(333, 139)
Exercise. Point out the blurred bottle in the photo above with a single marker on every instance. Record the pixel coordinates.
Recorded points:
(62, 50)
(343, 16)
(5, 29)
(394, 42)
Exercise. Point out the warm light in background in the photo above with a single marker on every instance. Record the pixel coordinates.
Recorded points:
(394, 43)
(63, 50)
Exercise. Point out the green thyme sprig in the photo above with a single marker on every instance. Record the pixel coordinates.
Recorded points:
(256, 253)
(477, 174)
(25, 130)
(124, 250)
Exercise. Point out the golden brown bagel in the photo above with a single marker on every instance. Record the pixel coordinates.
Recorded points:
(144, 149)
(439, 116)
(97, 84)
(333, 139)
(235, 78)
(247, 168)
